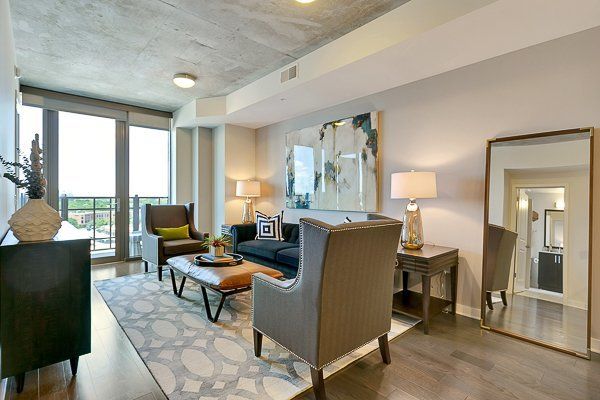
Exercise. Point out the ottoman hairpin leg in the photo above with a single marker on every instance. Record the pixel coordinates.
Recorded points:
(173, 282)
(224, 295)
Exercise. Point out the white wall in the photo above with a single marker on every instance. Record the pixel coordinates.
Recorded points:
(442, 124)
(182, 158)
(202, 143)
(218, 177)
(240, 165)
(233, 155)
(548, 155)
(8, 85)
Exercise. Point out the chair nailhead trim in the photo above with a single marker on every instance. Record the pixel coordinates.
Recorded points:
(324, 365)
(297, 281)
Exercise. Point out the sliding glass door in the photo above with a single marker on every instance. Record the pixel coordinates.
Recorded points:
(101, 169)
(148, 177)
(87, 185)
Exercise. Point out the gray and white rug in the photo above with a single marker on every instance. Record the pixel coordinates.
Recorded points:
(192, 358)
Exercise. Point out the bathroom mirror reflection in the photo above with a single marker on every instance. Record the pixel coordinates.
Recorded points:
(537, 239)
(554, 225)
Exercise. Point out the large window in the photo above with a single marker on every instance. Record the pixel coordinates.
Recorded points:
(100, 173)
(148, 177)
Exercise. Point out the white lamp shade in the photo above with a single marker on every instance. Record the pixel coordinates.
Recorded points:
(413, 185)
(247, 188)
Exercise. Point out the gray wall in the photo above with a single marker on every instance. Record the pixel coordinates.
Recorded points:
(442, 123)
(7, 112)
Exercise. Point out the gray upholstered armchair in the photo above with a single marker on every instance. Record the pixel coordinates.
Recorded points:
(500, 248)
(340, 300)
(155, 249)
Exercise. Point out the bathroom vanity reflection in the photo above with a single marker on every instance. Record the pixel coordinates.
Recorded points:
(536, 272)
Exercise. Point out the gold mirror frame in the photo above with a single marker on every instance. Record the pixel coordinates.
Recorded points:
(483, 325)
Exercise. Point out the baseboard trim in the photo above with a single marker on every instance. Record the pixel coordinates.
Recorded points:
(596, 345)
(467, 311)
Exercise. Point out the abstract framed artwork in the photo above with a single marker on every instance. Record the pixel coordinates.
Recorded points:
(335, 165)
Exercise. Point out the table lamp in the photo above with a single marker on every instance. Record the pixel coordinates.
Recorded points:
(247, 189)
(413, 185)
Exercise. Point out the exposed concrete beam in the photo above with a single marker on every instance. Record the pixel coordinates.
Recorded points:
(483, 30)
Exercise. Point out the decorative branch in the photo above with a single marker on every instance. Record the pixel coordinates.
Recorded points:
(32, 168)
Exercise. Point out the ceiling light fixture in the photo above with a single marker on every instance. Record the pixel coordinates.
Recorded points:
(185, 81)
(305, 1)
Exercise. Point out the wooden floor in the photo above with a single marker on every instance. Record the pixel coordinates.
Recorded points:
(543, 320)
(456, 361)
(113, 370)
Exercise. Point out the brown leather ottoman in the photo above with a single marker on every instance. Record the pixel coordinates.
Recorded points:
(225, 280)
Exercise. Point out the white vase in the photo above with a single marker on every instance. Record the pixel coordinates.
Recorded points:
(35, 221)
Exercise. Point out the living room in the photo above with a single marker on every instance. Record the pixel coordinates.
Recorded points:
(492, 104)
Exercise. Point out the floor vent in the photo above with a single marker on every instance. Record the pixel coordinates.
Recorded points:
(289, 73)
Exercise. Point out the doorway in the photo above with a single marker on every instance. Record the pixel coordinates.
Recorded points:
(540, 256)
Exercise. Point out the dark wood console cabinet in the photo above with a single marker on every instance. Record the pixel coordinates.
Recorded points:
(45, 302)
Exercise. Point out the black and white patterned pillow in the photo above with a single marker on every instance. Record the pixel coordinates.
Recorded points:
(269, 228)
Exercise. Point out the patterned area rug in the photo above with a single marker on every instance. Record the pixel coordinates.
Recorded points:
(192, 358)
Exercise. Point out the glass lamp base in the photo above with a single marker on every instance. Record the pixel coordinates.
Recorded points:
(248, 212)
(412, 227)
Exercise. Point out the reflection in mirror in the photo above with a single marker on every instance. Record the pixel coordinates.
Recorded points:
(554, 223)
(537, 249)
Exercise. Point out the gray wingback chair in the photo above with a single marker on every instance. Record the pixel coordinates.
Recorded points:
(155, 249)
(500, 248)
(340, 300)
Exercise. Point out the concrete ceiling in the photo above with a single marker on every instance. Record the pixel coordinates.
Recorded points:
(128, 50)
(421, 39)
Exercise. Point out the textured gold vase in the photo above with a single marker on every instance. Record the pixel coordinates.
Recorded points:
(35, 221)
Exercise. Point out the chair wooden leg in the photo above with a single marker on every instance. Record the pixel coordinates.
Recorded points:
(145, 266)
(503, 295)
(258, 337)
(318, 383)
(74, 363)
(20, 380)
(159, 268)
(384, 349)
(488, 300)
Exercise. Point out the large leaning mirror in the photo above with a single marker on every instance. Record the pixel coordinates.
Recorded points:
(536, 263)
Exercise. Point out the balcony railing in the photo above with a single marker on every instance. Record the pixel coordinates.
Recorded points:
(97, 216)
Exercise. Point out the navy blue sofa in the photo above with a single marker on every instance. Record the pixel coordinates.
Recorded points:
(281, 255)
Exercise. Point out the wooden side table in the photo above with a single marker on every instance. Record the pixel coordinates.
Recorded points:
(427, 262)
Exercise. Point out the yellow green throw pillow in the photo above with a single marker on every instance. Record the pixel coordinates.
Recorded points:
(183, 232)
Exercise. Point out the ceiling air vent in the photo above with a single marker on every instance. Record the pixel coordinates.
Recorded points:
(289, 74)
